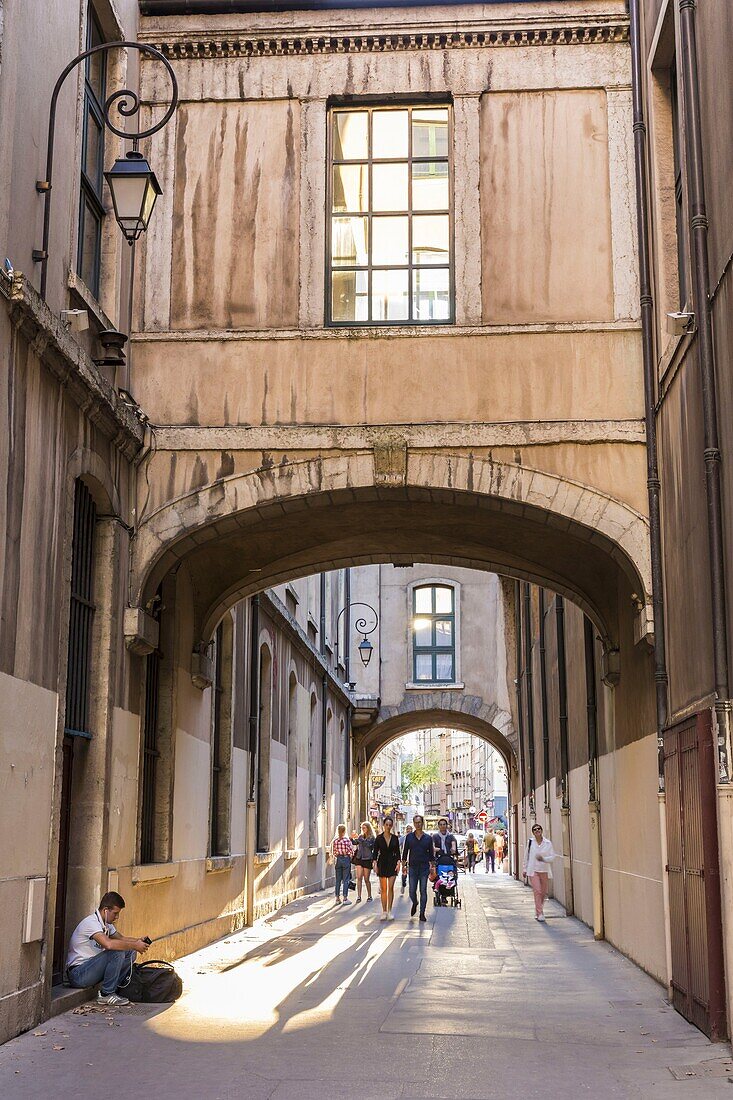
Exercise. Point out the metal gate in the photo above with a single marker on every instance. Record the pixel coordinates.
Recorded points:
(698, 984)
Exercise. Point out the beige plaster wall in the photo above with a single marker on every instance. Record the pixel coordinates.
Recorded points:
(235, 229)
(632, 858)
(545, 207)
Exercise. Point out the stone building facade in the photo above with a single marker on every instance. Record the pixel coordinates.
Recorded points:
(386, 312)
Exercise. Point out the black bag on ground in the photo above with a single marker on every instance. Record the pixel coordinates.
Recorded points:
(154, 982)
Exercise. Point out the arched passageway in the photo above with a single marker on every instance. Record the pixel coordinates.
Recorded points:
(251, 531)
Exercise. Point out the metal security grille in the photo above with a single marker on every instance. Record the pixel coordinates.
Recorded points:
(216, 768)
(151, 752)
(81, 614)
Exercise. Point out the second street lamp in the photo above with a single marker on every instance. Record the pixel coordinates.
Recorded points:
(362, 625)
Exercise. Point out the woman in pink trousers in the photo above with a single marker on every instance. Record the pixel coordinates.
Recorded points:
(538, 858)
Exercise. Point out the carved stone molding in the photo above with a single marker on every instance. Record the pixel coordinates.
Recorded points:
(233, 46)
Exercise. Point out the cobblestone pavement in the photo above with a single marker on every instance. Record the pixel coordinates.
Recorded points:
(319, 1001)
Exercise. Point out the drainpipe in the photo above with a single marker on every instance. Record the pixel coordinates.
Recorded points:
(543, 700)
(650, 384)
(518, 686)
(562, 693)
(324, 765)
(594, 805)
(653, 483)
(529, 692)
(254, 724)
(706, 352)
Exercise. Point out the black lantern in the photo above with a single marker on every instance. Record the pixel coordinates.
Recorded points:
(134, 190)
(365, 651)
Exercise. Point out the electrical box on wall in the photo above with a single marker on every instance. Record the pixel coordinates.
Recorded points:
(35, 904)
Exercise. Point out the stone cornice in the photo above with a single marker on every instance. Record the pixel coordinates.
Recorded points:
(200, 45)
(67, 361)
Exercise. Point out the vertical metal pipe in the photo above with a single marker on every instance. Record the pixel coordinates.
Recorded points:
(543, 701)
(706, 355)
(529, 693)
(562, 693)
(591, 708)
(254, 693)
(347, 626)
(322, 615)
(518, 686)
(650, 383)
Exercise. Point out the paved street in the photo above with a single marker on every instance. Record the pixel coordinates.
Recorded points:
(325, 1002)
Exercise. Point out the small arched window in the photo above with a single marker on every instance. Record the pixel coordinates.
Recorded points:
(433, 634)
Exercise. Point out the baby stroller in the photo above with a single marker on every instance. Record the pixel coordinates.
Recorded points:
(445, 886)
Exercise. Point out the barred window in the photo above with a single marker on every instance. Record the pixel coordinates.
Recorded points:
(390, 231)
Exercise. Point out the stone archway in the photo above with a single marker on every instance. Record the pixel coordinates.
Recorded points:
(468, 713)
(253, 530)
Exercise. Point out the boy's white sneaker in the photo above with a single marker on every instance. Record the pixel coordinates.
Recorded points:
(541, 919)
(113, 1000)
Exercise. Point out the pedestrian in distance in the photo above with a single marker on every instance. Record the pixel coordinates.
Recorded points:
(418, 855)
(342, 850)
(386, 864)
(500, 847)
(490, 850)
(471, 852)
(364, 860)
(408, 830)
(538, 858)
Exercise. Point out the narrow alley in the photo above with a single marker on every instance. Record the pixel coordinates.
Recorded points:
(317, 1001)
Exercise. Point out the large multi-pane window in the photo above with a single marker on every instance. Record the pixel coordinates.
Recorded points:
(91, 208)
(390, 238)
(433, 639)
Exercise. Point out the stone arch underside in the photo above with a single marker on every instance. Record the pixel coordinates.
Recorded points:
(468, 713)
(252, 531)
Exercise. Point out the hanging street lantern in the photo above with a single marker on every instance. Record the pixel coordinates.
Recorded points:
(134, 189)
(365, 651)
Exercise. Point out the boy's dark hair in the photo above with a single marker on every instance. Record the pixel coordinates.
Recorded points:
(112, 900)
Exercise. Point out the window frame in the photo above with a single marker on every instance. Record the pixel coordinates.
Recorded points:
(370, 106)
(90, 191)
(433, 649)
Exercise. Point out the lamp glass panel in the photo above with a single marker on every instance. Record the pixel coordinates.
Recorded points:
(350, 135)
(129, 196)
(350, 188)
(150, 196)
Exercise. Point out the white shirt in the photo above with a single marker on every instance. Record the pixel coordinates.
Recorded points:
(81, 945)
(534, 866)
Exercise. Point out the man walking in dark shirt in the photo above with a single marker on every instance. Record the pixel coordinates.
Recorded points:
(418, 854)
